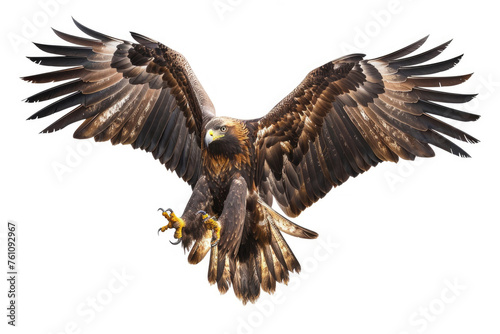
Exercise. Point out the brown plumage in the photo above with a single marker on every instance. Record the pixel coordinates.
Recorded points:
(345, 117)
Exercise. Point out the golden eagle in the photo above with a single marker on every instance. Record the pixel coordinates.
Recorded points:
(346, 116)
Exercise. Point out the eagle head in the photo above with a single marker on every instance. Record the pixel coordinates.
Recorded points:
(225, 136)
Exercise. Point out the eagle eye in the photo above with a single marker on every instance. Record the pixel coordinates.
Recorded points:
(223, 128)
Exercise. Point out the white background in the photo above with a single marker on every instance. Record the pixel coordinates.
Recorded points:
(391, 241)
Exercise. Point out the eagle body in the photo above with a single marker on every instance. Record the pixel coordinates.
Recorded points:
(228, 182)
(344, 118)
(226, 159)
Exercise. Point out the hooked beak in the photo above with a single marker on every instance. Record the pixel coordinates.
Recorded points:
(210, 136)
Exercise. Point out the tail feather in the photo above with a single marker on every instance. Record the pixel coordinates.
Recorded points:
(286, 225)
(268, 280)
(246, 284)
(256, 264)
(290, 260)
(276, 246)
(224, 280)
(281, 273)
(212, 266)
(267, 260)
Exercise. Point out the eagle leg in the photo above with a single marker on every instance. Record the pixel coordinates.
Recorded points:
(173, 222)
(211, 224)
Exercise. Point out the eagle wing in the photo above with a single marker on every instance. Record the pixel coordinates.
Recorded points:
(350, 114)
(144, 94)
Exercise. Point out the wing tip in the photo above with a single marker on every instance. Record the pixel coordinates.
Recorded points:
(94, 33)
(472, 117)
(464, 77)
(26, 78)
(34, 59)
(47, 130)
(29, 100)
(78, 24)
(423, 39)
(403, 51)
(440, 48)
(144, 40)
(462, 154)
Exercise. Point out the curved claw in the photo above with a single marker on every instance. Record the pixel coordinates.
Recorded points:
(159, 231)
(175, 243)
(215, 243)
(202, 212)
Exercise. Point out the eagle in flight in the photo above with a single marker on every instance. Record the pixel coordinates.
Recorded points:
(346, 116)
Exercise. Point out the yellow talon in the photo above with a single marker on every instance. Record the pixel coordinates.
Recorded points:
(173, 222)
(178, 231)
(212, 224)
(166, 227)
(216, 229)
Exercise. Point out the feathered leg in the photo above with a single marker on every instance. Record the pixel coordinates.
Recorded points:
(188, 227)
(225, 251)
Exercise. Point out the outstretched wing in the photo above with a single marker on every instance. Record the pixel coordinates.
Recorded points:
(144, 94)
(350, 114)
